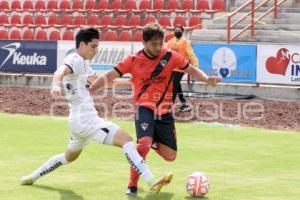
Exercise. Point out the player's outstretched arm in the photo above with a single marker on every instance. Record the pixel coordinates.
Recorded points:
(57, 80)
(201, 76)
(104, 80)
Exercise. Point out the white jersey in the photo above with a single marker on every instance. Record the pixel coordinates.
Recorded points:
(75, 86)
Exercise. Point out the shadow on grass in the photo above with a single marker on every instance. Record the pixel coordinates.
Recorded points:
(196, 198)
(152, 196)
(64, 194)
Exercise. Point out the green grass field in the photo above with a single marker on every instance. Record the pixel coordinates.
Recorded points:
(241, 163)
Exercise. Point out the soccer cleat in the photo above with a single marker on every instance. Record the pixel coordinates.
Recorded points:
(26, 180)
(131, 191)
(185, 108)
(164, 180)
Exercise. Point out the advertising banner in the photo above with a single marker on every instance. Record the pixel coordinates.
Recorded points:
(108, 55)
(28, 56)
(278, 64)
(234, 63)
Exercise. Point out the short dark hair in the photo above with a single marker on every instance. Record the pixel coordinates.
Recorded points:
(179, 26)
(153, 30)
(86, 35)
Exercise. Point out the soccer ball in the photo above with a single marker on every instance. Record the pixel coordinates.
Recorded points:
(197, 184)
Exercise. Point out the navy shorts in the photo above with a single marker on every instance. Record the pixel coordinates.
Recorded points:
(160, 128)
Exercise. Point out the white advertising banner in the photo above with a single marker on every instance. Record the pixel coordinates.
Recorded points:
(278, 64)
(108, 55)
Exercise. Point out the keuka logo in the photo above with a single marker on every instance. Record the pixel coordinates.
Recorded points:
(19, 58)
(278, 64)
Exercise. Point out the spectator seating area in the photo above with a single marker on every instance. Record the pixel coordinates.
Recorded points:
(118, 20)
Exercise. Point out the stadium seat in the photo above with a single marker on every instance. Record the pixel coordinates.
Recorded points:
(41, 35)
(125, 35)
(54, 35)
(54, 20)
(4, 19)
(40, 20)
(90, 5)
(3, 35)
(149, 19)
(106, 20)
(116, 6)
(119, 21)
(40, 5)
(134, 21)
(52, 6)
(171, 6)
(4, 6)
(92, 20)
(16, 20)
(68, 35)
(77, 5)
(28, 21)
(28, 6)
(103, 5)
(145, 5)
(203, 6)
(65, 6)
(218, 5)
(28, 35)
(79, 20)
(195, 22)
(158, 5)
(164, 20)
(15, 5)
(66, 20)
(179, 20)
(138, 36)
(15, 35)
(187, 5)
(130, 5)
(109, 36)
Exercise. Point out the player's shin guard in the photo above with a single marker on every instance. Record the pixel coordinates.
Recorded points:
(49, 166)
(143, 148)
(137, 162)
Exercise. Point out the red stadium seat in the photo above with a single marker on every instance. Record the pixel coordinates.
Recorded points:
(138, 36)
(158, 5)
(28, 35)
(68, 35)
(40, 20)
(79, 20)
(203, 6)
(15, 20)
(4, 5)
(195, 22)
(134, 21)
(54, 20)
(54, 35)
(130, 6)
(179, 20)
(41, 35)
(28, 5)
(90, 5)
(187, 6)
(40, 5)
(92, 20)
(66, 20)
(145, 5)
(65, 5)
(106, 20)
(52, 6)
(171, 6)
(77, 5)
(119, 21)
(218, 5)
(28, 20)
(149, 19)
(15, 35)
(109, 36)
(3, 35)
(125, 35)
(103, 5)
(164, 20)
(15, 5)
(4, 19)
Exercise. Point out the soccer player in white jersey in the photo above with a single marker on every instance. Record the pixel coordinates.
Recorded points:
(72, 79)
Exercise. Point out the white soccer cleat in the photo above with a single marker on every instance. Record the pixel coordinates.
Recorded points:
(26, 180)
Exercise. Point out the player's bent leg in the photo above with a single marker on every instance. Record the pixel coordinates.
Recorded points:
(165, 152)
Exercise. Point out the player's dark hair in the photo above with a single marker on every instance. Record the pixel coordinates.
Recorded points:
(153, 30)
(179, 26)
(86, 36)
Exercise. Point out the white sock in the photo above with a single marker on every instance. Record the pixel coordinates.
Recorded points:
(137, 162)
(49, 166)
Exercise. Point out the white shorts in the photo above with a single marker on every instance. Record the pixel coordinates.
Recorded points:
(90, 128)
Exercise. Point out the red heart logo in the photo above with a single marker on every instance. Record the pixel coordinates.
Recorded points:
(279, 64)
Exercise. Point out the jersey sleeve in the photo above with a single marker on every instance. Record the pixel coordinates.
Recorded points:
(124, 67)
(180, 62)
(75, 63)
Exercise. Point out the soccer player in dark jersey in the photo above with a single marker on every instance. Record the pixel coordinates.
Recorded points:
(151, 70)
